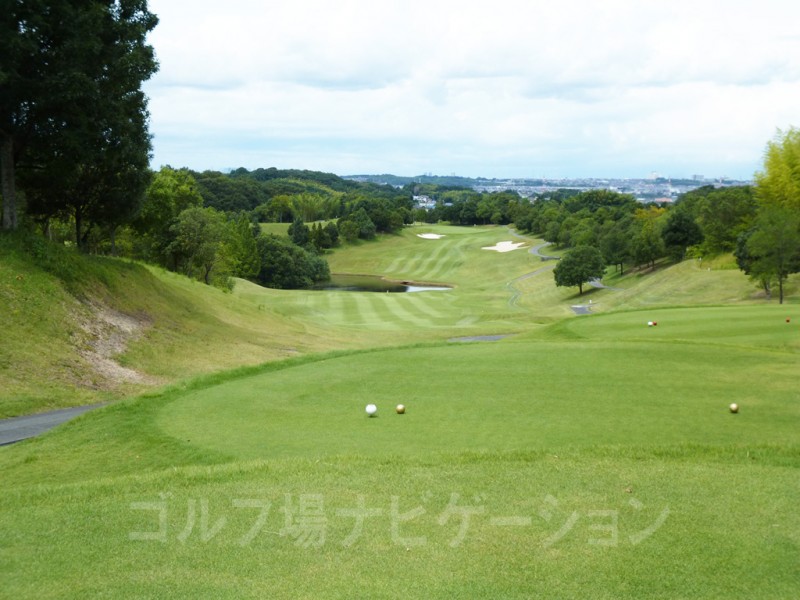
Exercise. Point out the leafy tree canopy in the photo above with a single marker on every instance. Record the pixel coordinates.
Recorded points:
(578, 266)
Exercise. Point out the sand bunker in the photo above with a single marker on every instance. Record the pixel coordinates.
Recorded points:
(505, 246)
(429, 236)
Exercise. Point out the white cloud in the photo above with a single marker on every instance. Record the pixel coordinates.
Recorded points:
(517, 88)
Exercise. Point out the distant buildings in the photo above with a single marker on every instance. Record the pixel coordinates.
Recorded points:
(424, 202)
(654, 188)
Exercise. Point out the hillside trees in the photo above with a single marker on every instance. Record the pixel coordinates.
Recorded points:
(465, 206)
(723, 215)
(210, 246)
(602, 219)
(315, 207)
(778, 184)
(299, 232)
(679, 232)
(357, 225)
(170, 192)
(230, 194)
(771, 249)
(73, 119)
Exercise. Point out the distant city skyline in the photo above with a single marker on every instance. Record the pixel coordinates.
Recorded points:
(517, 88)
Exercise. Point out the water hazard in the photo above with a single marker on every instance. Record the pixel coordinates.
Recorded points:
(372, 283)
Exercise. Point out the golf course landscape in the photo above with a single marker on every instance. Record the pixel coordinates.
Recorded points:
(553, 445)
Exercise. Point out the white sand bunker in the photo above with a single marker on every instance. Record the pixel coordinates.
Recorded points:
(429, 236)
(505, 246)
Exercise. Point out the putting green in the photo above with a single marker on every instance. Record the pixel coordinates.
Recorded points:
(505, 396)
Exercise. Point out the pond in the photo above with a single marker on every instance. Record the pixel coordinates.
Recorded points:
(373, 283)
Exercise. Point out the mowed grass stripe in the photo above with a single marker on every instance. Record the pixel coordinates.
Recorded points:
(373, 311)
(338, 307)
(395, 307)
(396, 264)
(409, 266)
(438, 253)
(428, 304)
(389, 311)
(445, 260)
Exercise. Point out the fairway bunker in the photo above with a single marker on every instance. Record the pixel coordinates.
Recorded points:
(430, 236)
(505, 246)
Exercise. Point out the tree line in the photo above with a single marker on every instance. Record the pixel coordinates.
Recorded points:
(206, 225)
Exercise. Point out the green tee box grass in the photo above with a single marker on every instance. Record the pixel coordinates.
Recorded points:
(521, 396)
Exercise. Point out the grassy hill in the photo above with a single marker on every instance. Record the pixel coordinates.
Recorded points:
(590, 456)
(82, 329)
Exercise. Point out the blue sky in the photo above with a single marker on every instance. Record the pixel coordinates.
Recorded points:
(507, 88)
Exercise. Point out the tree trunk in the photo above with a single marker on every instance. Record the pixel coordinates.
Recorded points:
(8, 189)
(780, 290)
(79, 229)
(580, 289)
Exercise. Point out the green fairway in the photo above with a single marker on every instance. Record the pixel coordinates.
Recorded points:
(579, 457)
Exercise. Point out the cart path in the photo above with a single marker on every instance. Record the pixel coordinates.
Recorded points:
(17, 429)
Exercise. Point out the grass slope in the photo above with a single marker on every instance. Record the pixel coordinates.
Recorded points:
(55, 302)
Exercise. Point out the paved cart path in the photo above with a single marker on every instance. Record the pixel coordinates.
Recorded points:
(20, 428)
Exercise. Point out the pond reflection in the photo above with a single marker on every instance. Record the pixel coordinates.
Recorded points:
(373, 283)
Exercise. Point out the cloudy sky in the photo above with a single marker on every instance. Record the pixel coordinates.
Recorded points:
(493, 88)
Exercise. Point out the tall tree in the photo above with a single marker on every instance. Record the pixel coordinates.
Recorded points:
(169, 193)
(27, 31)
(74, 116)
(723, 214)
(746, 261)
